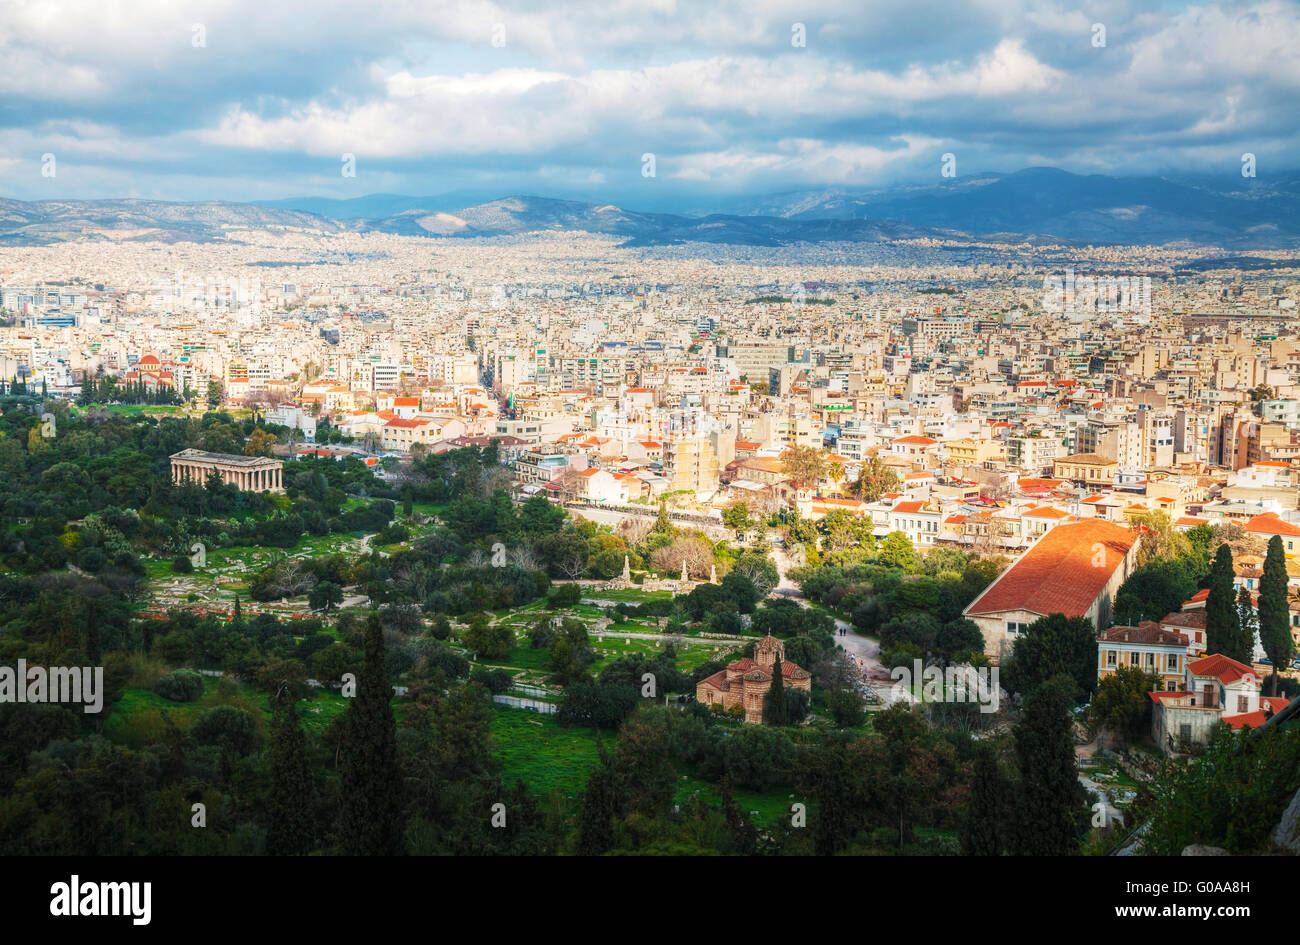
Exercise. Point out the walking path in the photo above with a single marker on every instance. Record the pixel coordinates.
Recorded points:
(864, 651)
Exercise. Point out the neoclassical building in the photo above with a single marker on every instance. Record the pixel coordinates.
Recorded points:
(246, 473)
(746, 681)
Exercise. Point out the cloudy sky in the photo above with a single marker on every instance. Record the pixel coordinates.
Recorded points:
(260, 99)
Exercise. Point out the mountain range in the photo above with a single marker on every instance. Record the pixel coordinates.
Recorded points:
(1038, 204)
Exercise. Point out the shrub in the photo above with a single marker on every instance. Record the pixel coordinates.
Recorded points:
(228, 727)
(564, 595)
(497, 681)
(183, 685)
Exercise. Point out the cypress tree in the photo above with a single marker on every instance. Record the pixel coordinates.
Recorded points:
(838, 813)
(774, 702)
(1222, 623)
(372, 821)
(599, 808)
(742, 835)
(1243, 650)
(984, 831)
(1274, 613)
(1052, 810)
(288, 805)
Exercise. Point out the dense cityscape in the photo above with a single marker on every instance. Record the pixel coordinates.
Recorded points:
(787, 520)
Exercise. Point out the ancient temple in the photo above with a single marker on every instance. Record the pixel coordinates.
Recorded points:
(246, 473)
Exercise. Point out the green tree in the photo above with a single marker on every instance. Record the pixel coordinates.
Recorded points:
(736, 517)
(486, 640)
(1222, 622)
(804, 465)
(288, 804)
(371, 817)
(1157, 588)
(1274, 612)
(1122, 703)
(1055, 645)
(600, 805)
(774, 707)
(325, 596)
(1051, 811)
(984, 830)
(1247, 624)
(897, 552)
(742, 836)
(874, 480)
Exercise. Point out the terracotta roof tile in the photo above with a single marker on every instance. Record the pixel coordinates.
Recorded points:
(1057, 574)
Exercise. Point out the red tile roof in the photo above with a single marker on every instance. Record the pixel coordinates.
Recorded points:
(1057, 574)
(1222, 668)
(1147, 632)
(1269, 524)
(1192, 619)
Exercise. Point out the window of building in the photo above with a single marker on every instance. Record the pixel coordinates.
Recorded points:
(1111, 658)
(1185, 730)
(1242, 704)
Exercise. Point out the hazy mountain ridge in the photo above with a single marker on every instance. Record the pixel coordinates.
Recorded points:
(50, 221)
(1044, 203)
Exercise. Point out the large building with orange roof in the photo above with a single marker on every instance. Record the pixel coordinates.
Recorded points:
(1075, 569)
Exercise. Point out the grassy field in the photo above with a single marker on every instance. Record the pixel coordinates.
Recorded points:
(537, 750)
(523, 658)
(136, 720)
(766, 809)
(135, 410)
(626, 595)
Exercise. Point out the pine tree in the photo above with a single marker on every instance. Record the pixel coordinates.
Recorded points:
(238, 615)
(1274, 612)
(984, 832)
(1243, 650)
(774, 707)
(372, 818)
(1222, 623)
(288, 804)
(1051, 810)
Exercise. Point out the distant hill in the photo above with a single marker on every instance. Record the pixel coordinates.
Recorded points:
(526, 214)
(1231, 211)
(52, 221)
(1044, 204)
(377, 206)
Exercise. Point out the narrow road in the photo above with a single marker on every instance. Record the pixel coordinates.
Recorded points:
(864, 650)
